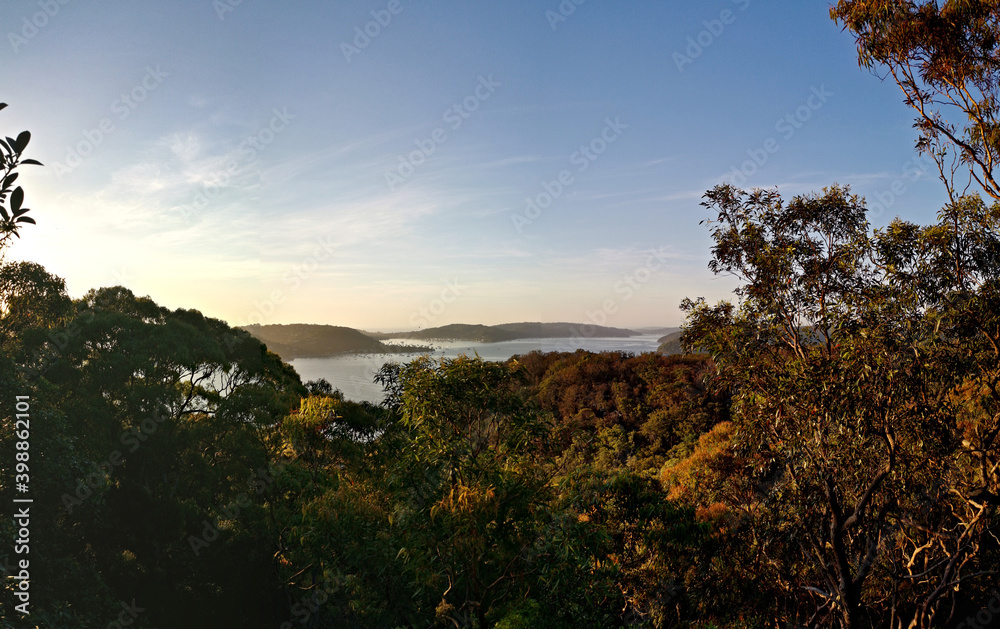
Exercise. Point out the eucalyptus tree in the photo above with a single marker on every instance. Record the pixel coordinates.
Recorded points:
(945, 57)
(863, 376)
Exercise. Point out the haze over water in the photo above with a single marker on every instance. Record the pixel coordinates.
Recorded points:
(353, 373)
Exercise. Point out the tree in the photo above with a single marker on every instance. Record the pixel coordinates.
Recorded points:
(615, 410)
(847, 353)
(338, 549)
(945, 56)
(30, 297)
(153, 431)
(470, 486)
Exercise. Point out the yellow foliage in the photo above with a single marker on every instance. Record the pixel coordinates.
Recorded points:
(316, 411)
(712, 513)
(466, 500)
(971, 399)
(706, 466)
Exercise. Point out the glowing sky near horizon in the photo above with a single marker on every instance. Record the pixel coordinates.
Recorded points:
(392, 164)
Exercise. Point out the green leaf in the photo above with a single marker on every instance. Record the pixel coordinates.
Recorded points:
(3, 106)
(31, 162)
(3, 212)
(9, 179)
(16, 199)
(26, 219)
(22, 141)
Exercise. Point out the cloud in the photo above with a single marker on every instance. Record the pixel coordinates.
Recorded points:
(507, 161)
(186, 146)
(332, 159)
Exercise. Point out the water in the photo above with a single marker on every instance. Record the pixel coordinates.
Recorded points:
(353, 373)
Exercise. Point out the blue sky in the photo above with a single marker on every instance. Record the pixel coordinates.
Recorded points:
(370, 164)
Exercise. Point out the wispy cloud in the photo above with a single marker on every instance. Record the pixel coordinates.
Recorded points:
(508, 161)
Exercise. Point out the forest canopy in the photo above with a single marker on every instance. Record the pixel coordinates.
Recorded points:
(825, 454)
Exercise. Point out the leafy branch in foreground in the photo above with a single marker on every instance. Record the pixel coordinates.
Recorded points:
(12, 209)
(945, 57)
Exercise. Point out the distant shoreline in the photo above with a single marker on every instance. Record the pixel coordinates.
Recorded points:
(394, 349)
(293, 341)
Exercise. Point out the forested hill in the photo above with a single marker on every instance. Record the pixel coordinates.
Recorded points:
(510, 332)
(311, 341)
(670, 344)
(302, 340)
(563, 330)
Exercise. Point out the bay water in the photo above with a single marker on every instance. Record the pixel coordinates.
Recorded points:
(353, 373)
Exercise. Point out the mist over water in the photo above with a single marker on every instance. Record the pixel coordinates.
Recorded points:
(353, 373)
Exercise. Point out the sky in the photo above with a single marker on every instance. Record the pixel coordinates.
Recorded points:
(403, 164)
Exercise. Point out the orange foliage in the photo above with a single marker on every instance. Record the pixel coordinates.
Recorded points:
(693, 479)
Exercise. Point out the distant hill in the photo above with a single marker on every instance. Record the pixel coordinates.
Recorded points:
(657, 331)
(509, 332)
(459, 332)
(673, 334)
(671, 344)
(303, 340)
(563, 330)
